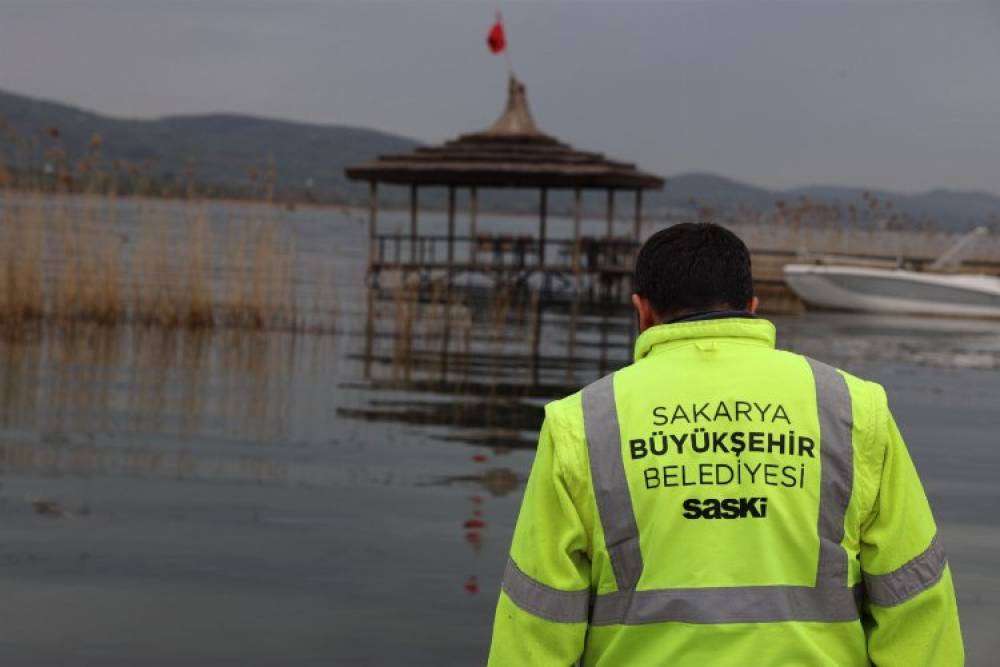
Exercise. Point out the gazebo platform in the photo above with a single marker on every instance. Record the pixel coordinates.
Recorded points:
(512, 153)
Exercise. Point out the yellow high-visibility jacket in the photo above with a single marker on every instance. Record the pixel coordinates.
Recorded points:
(720, 502)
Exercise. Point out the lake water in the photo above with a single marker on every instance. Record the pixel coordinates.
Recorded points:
(348, 498)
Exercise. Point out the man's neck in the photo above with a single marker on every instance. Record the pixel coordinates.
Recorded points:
(709, 315)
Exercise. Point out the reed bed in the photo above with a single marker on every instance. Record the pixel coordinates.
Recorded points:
(67, 259)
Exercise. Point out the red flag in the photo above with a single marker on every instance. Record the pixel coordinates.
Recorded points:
(496, 39)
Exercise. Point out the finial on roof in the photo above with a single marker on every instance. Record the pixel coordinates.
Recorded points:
(516, 119)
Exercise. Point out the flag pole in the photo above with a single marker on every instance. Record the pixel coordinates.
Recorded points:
(506, 47)
(506, 53)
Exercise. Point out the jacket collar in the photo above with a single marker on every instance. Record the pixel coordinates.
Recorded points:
(755, 331)
(711, 315)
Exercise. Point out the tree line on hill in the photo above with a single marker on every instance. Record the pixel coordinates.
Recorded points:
(49, 146)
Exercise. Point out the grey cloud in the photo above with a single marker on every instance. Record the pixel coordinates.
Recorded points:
(896, 95)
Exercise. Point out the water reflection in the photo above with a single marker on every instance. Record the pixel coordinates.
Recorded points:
(91, 400)
(292, 470)
(853, 340)
(482, 363)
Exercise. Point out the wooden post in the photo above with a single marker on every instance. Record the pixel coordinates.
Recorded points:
(543, 213)
(611, 212)
(637, 232)
(446, 333)
(451, 228)
(633, 328)
(577, 217)
(369, 333)
(413, 223)
(574, 315)
(473, 222)
(603, 364)
(372, 221)
(536, 335)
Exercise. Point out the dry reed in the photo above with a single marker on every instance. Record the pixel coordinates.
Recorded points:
(66, 259)
(21, 287)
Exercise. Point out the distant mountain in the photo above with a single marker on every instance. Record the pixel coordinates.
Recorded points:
(952, 208)
(712, 190)
(215, 149)
(220, 152)
(948, 208)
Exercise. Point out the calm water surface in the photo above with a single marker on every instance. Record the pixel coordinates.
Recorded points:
(349, 498)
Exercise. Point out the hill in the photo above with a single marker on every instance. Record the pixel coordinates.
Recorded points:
(218, 150)
(233, 153)
(951, 208)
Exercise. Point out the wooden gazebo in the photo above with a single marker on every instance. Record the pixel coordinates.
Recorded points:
(512, 153)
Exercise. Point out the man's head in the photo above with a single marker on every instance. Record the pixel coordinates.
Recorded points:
(691, 268)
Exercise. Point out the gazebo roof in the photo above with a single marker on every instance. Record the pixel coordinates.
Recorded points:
(512, 152)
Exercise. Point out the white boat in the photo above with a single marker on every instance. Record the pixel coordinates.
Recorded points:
(881, 290)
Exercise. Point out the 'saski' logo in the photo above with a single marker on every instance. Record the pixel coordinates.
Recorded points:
(725, 508)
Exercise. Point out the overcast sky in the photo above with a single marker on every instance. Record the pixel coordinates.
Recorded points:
(899, 95)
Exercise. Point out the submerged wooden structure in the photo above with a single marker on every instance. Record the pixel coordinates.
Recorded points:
(512, 153)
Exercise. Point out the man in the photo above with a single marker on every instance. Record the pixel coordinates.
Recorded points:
(720, 502)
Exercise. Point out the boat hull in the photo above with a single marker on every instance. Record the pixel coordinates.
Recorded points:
(894, 291)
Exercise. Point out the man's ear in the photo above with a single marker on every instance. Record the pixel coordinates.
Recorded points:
(753, 305)
(645, 312)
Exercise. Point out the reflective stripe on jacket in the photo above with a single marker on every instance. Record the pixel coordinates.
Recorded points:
(720, 502)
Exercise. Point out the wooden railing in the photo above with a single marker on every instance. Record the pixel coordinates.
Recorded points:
(486, 252)
(502, 252)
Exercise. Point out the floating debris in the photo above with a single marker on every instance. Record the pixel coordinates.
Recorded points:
(49, 508)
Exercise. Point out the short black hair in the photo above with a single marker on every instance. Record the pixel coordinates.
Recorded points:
(691, 267)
